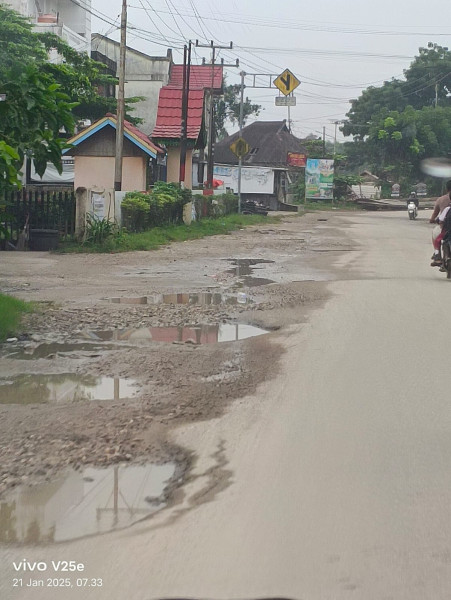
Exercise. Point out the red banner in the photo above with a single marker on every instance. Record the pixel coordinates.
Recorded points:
(296, 160)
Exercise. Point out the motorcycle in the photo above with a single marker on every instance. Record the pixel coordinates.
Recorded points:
(412, 210)
(253, 207)
(446, 256)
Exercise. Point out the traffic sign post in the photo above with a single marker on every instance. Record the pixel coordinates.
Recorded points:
(285, 100)
(286, 82)
(240, 147)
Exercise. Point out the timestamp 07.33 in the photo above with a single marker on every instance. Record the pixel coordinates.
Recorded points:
(58, 582)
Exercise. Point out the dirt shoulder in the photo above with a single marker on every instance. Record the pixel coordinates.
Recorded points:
(266, 276)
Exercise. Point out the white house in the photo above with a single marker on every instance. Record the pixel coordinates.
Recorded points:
(66, 19)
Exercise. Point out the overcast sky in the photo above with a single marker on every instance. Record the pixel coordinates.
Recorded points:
(336, 48)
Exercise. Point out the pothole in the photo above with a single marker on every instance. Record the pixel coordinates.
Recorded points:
(138, 300)
(64, 388)
(91, 501)
(188, 299)
(54, 349)
(189, 334)
(244, 269)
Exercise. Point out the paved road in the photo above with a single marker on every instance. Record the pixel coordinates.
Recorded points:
(334, 482)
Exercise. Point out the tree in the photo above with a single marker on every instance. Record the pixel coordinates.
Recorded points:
(35, 109)
(227, 108)
(31, 119)
(427, 79)
(400, 123)
(78, 75)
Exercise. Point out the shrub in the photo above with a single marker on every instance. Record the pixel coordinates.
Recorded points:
(162, 206)
(135, 210)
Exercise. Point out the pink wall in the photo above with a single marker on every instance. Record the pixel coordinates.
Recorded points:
(173, 166)
(97, 171)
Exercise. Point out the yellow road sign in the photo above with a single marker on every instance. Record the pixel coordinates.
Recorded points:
(240, 147)
(286, 82)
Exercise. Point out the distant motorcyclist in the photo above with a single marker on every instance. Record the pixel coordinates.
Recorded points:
(413, 198)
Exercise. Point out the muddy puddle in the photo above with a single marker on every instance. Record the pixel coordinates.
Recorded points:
(55, 349)
(91, 501)
(244, 269)
(190, 299)
(64, 388)
(190, 334)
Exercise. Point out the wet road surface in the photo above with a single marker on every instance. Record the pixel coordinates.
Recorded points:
(333, 481)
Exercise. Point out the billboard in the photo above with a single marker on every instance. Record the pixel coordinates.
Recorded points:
(254, 180)
(319, 178)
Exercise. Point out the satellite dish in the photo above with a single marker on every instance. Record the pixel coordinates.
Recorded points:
(437, 167)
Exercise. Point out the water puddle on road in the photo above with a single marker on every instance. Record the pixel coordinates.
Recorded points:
(244, 269)
(190, 334)
(81, 503)
(200, 299)
(54, 349)
(64, 388)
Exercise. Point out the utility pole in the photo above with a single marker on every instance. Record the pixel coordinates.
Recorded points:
(240, 159)
(120, 101)
(185, 108)
(211, 137)
(324, 141)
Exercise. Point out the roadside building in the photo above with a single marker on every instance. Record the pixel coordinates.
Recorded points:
(69, 20)
(94, 151)
(144, 75)
(266, 170)
(205, 82)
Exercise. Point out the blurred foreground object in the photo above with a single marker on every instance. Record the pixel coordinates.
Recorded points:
(437, 167)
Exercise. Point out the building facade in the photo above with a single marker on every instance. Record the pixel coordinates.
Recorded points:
(66, 19)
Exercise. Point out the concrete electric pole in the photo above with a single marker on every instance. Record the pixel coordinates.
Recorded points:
(121, 101)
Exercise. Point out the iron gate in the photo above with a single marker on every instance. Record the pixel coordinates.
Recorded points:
(36, 208)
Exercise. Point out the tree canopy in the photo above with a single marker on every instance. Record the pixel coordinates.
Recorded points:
(398, 124)
(48, 86)
(77, 74)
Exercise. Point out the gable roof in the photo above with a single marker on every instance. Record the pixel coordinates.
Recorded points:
(200, 78)
(132, 133)
(270, 142)
(169, 115)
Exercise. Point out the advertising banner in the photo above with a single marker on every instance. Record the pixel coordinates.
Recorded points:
(294, 159)
(319, 178)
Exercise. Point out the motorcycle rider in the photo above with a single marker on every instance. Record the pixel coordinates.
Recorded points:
(438, 215)
(413, 198)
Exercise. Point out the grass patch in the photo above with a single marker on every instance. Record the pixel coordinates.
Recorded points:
(160, 236)
(11, 311)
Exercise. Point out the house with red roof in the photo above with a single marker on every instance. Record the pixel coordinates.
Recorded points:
(94, 151)
(206, 81)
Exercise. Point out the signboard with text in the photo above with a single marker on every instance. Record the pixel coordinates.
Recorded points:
(294, 159)
(319, 178)
(285, 100)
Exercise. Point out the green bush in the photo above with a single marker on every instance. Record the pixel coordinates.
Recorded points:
(163, 205)
(135, 210)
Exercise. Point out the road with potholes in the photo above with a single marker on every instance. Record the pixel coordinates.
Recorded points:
(309, 462)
